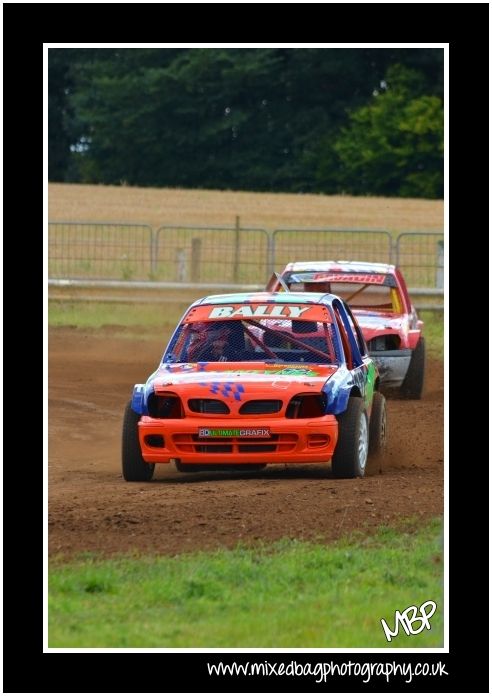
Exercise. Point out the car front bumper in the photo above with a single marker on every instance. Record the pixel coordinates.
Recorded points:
(289, 440)
(392, 365)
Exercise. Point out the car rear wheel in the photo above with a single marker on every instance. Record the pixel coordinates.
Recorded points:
(413, 383)
(350, 456)
(377, 425)
(133, 466)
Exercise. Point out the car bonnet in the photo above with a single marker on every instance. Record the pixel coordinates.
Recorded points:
(254, 376)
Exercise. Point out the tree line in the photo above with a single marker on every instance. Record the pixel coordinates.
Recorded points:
(365, 121)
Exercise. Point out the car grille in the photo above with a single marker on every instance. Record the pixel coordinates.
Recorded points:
(208, 406)
(260, 406)
(187, 443)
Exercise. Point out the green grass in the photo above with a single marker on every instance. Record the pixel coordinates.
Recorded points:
(434, 333)
(98, 314)
(290, 594)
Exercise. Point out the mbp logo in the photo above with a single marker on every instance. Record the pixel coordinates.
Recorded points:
(408, 617)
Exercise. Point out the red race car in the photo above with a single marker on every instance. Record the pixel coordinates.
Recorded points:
(378, 297)
(251, 379)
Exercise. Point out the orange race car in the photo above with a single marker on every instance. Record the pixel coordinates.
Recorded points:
(251, 379)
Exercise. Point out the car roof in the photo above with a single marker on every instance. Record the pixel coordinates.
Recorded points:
(267, 297)
(355, 266)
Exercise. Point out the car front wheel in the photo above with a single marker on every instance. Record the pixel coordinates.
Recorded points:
(413, 383)
(350, 456)
(133, 466)
(377, 426)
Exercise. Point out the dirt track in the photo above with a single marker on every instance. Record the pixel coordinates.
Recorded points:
(91, 508)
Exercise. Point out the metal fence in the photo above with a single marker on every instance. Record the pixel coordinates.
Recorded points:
(99, 250)
(318, 244)
(420, 255)
(213, 254)
(235, 255)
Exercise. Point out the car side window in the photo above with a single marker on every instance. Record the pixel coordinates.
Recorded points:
(352, 339)
(357, 333)
(345, 340)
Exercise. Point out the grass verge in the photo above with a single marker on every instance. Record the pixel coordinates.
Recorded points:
(434, 333)
(95, 315)
(289, 594)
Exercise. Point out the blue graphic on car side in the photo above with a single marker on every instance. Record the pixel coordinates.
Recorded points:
(337, 391)
(138, 398)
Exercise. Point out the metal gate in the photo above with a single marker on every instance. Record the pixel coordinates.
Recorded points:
(329, 244)
(210, 254)
(420, 256)
(99, 250)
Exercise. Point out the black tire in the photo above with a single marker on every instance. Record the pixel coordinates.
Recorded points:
(350, 456)
(133, 466)
(413, 383)
(377, 425)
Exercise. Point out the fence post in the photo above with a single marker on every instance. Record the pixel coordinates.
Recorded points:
(235, 273)
(154, 242)
(181, 265)
(440, 264)
(196, 254)
(394, 251)
(270, 254)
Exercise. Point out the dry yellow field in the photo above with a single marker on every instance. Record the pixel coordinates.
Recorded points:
(89, 203)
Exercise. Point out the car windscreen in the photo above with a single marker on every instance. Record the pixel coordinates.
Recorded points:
(249, 339)
(376, 291)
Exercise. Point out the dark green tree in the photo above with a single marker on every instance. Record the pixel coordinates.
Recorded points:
(254, 119)
(60, 84)
(394, 146)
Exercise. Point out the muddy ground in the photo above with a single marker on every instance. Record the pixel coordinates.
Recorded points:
(91, 507)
